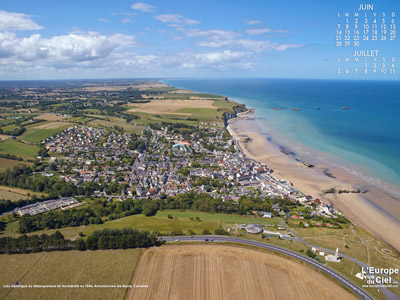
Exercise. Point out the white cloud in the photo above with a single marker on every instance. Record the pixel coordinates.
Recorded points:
(266, 45)
(169, 18)
(71, 48)
(218, 60)
(258, 31)
(126, 20)
(249, 44)
(212, 34)
(175, 19)
(16, 21)
(192, 22)
(143, 7)
(139, 62)
(103, 20)
(217, 38)
(252, 22)
(219, 57)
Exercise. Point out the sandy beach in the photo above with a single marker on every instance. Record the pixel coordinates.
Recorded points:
(374, 210)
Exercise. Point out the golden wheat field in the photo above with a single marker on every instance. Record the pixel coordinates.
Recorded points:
(227, 272)
(171, 106)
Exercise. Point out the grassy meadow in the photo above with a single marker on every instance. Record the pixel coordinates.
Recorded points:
(222, 218)
(162, 224)
(19, 149)
(102, 267)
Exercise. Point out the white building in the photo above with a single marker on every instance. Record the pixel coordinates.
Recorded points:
(333, 258)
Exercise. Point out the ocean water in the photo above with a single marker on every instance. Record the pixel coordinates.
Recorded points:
(364, 139)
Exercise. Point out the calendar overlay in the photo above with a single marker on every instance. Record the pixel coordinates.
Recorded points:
(366, 41)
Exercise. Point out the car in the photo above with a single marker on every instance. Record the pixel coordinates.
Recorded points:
(191, 236)
(211, 240)
(176, 240)
(206, 240)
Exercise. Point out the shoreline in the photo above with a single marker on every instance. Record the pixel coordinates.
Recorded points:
(375, 210)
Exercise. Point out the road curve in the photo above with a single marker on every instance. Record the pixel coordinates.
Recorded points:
(349, 284)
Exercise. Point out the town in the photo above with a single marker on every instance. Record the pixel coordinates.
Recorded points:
(164, 161)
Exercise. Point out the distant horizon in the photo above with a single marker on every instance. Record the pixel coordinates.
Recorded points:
(198, 78)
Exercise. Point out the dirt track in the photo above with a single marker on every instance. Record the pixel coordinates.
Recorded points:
(227, 272)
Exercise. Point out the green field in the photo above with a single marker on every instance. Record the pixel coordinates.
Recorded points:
(223, 218)
(146, 119)
(208, 96)
(33, 135)
(202, 114)
(156, 223)
(107, 267)
(181, 221)
(9, 163)
(19, 149)
(224, 104)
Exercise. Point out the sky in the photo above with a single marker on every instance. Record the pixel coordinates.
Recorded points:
(60, 39)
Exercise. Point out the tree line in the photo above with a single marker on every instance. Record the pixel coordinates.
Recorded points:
(119, 239)
(101, 239)
(35, 243)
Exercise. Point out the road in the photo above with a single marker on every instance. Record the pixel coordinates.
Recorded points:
(352, 286)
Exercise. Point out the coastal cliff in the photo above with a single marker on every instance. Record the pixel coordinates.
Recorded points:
(240, 108)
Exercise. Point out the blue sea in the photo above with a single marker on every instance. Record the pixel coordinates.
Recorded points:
(365, 137)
